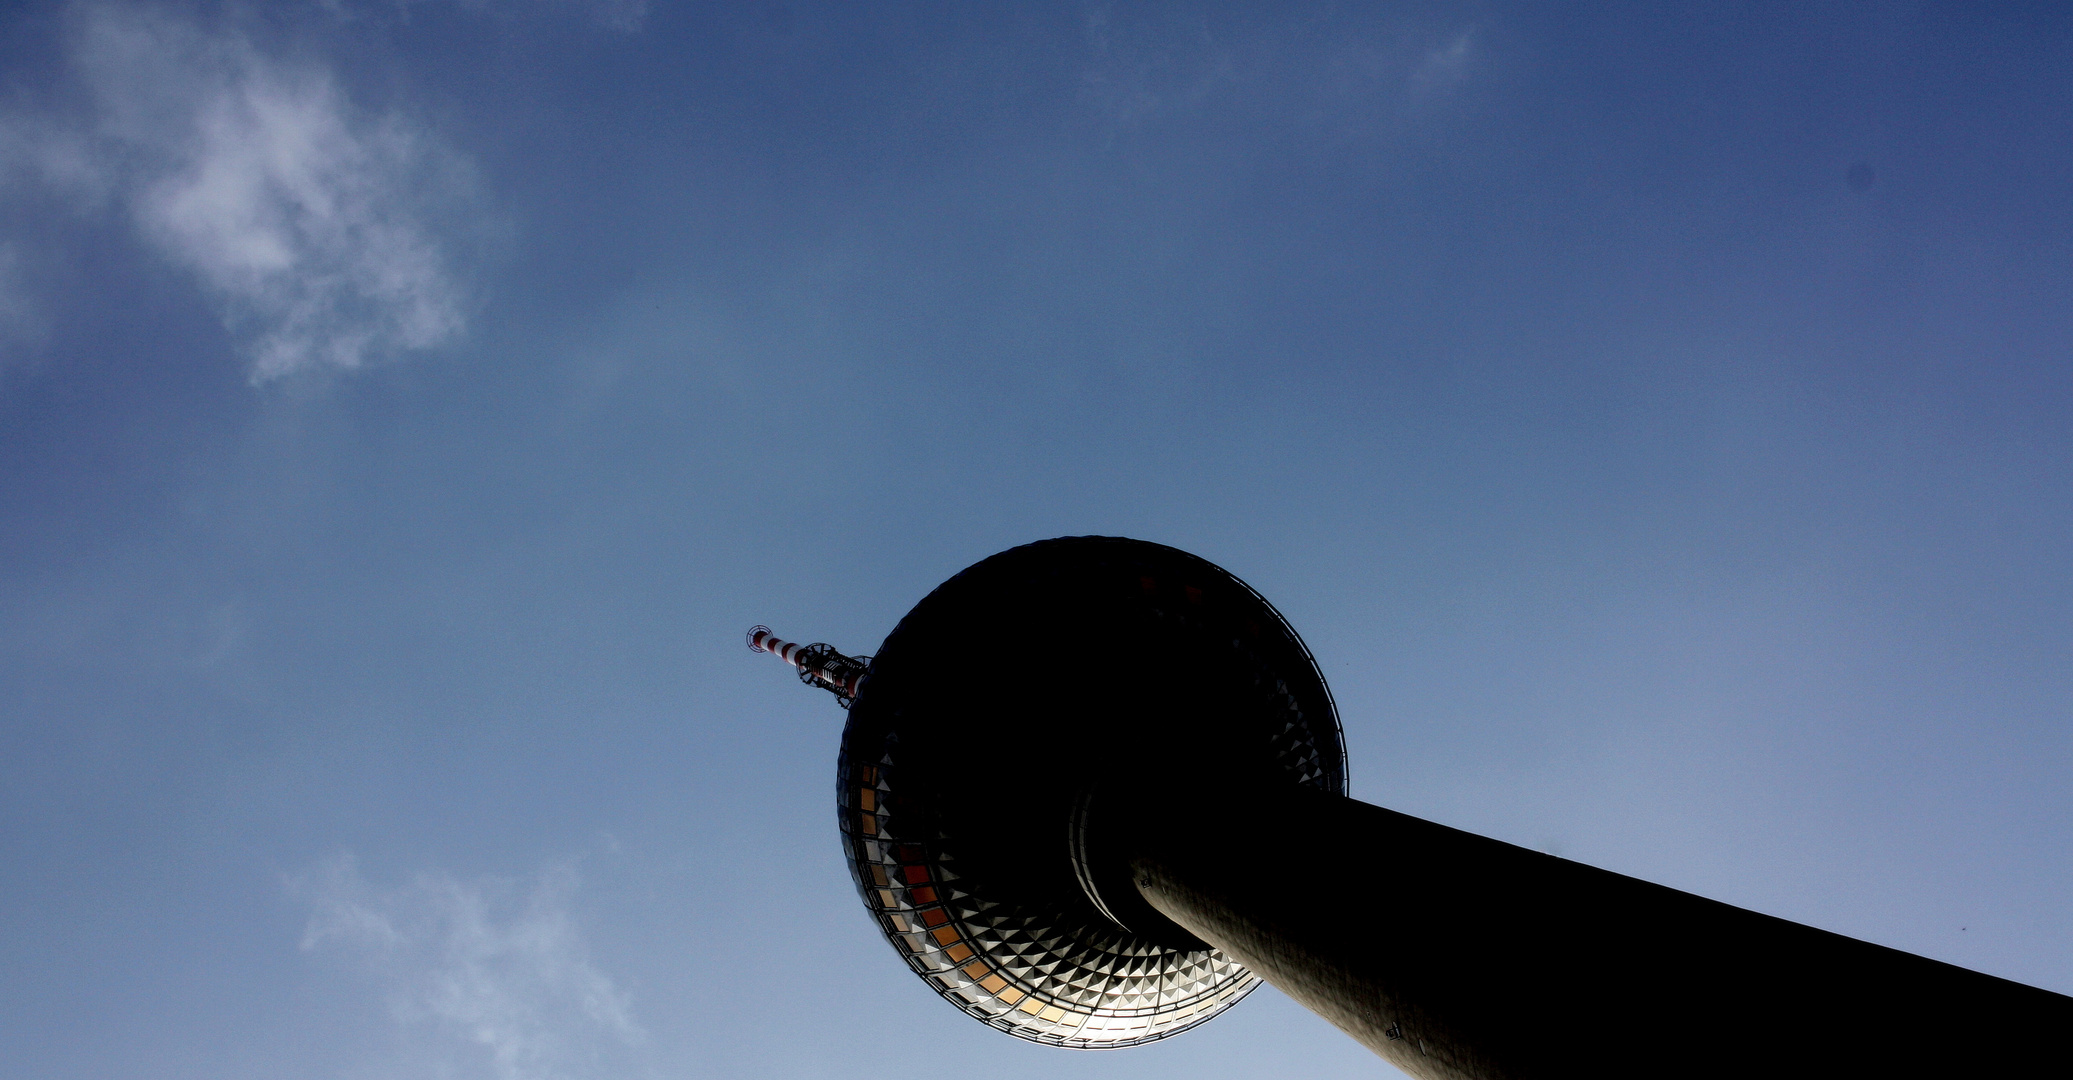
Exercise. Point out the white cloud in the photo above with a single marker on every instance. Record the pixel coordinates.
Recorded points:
(310, 222)
(1447, 63)
(625, 16)
(17, 315)
(1349, 68)
(21, 318)
(500, 970)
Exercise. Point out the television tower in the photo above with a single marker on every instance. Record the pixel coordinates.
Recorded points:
(1093, 791)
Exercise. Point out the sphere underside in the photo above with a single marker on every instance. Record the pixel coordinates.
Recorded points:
(1010, 696)
(1023, 969)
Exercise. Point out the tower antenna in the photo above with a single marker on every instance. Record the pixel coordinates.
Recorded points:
(819, 664)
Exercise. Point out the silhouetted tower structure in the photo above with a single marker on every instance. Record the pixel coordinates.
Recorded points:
(1093, 790)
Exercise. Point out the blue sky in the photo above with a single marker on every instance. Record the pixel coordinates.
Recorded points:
(1658, 420)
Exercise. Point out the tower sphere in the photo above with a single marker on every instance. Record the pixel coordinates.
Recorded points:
(1004, 712)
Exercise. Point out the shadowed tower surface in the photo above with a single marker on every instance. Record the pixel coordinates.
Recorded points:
(1092, 790)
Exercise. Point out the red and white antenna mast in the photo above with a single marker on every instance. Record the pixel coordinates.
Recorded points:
(819, 664)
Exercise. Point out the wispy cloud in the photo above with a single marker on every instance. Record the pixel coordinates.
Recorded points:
(625, 16)
(489, 965)
(311, 222)
(17, 315)
(1447, 63)
(1345, 67)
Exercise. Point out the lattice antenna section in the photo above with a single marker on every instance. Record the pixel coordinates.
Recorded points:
(819, 664)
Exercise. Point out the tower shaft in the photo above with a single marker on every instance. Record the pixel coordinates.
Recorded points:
(1458, 957)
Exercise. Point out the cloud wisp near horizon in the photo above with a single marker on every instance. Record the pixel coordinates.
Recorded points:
(497, 965)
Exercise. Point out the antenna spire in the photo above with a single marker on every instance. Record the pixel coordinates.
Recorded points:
(819, 664)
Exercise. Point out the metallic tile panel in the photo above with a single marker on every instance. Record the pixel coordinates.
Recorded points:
(1031, 974)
